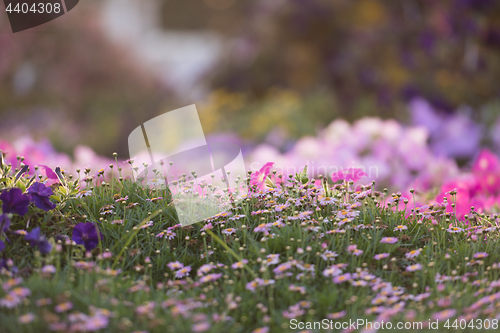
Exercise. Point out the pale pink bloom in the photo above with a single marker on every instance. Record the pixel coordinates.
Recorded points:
(63, 307)
(26, 318)
(414, 268)
(389, 240)
(342, 278)
(381, 256)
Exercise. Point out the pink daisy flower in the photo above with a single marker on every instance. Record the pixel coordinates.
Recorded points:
(413, 254)
(414, 268)
(389, 240)
(480, 255)
(342, 278)
(239, 264)
(381, 256)
(175, 265)
(183, 272)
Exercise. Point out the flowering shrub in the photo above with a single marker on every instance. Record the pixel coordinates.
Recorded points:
(393, 155)
(112, 257)
(478, 188)
(44, 156)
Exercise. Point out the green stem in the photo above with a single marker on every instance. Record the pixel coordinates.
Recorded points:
(231, 252)
(133, 234)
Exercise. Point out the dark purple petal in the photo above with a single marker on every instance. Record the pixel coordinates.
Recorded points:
(4, 222)
(33, 236)
(44, 246)
(86, 234)
(2, 246)
(14, 201)
(39, 194)
(37, 239)
(42, 202)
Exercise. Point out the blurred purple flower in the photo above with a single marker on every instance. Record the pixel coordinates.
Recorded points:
(37, 239)
(451, 141)
(4, 222)
(14, 201)
(446, 131)
(86, 234)
(2, 246)
(427, 40)
(40, 195)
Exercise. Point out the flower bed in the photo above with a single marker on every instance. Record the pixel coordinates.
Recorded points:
(110, 256)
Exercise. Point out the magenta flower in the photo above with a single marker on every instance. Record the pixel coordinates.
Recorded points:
(486, 162)
(14, 201)
(40, 195)
(353, 174)
(258, 177)
(86, 234)
(49, 173)
(463, 197)
(37, 239)
(486, 169)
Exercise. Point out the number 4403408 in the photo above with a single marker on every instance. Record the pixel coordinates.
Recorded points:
(35, 8)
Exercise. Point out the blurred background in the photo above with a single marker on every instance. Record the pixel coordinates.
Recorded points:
(284, 78)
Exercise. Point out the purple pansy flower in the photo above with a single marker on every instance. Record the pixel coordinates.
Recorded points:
(4, 222)
(37, 239)
(14, 201)
(40, 194)
(86, 234)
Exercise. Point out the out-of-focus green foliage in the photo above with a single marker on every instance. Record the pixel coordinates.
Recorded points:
(371, 54)
(282, 116)
(67, 81)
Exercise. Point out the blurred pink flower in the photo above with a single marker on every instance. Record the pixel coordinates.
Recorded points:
(258, 177)
(353, 174)
(487, 171)
(463, 199)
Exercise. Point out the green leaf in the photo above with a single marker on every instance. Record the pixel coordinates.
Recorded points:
(21, 186)
(56, 197)
(304, 178)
